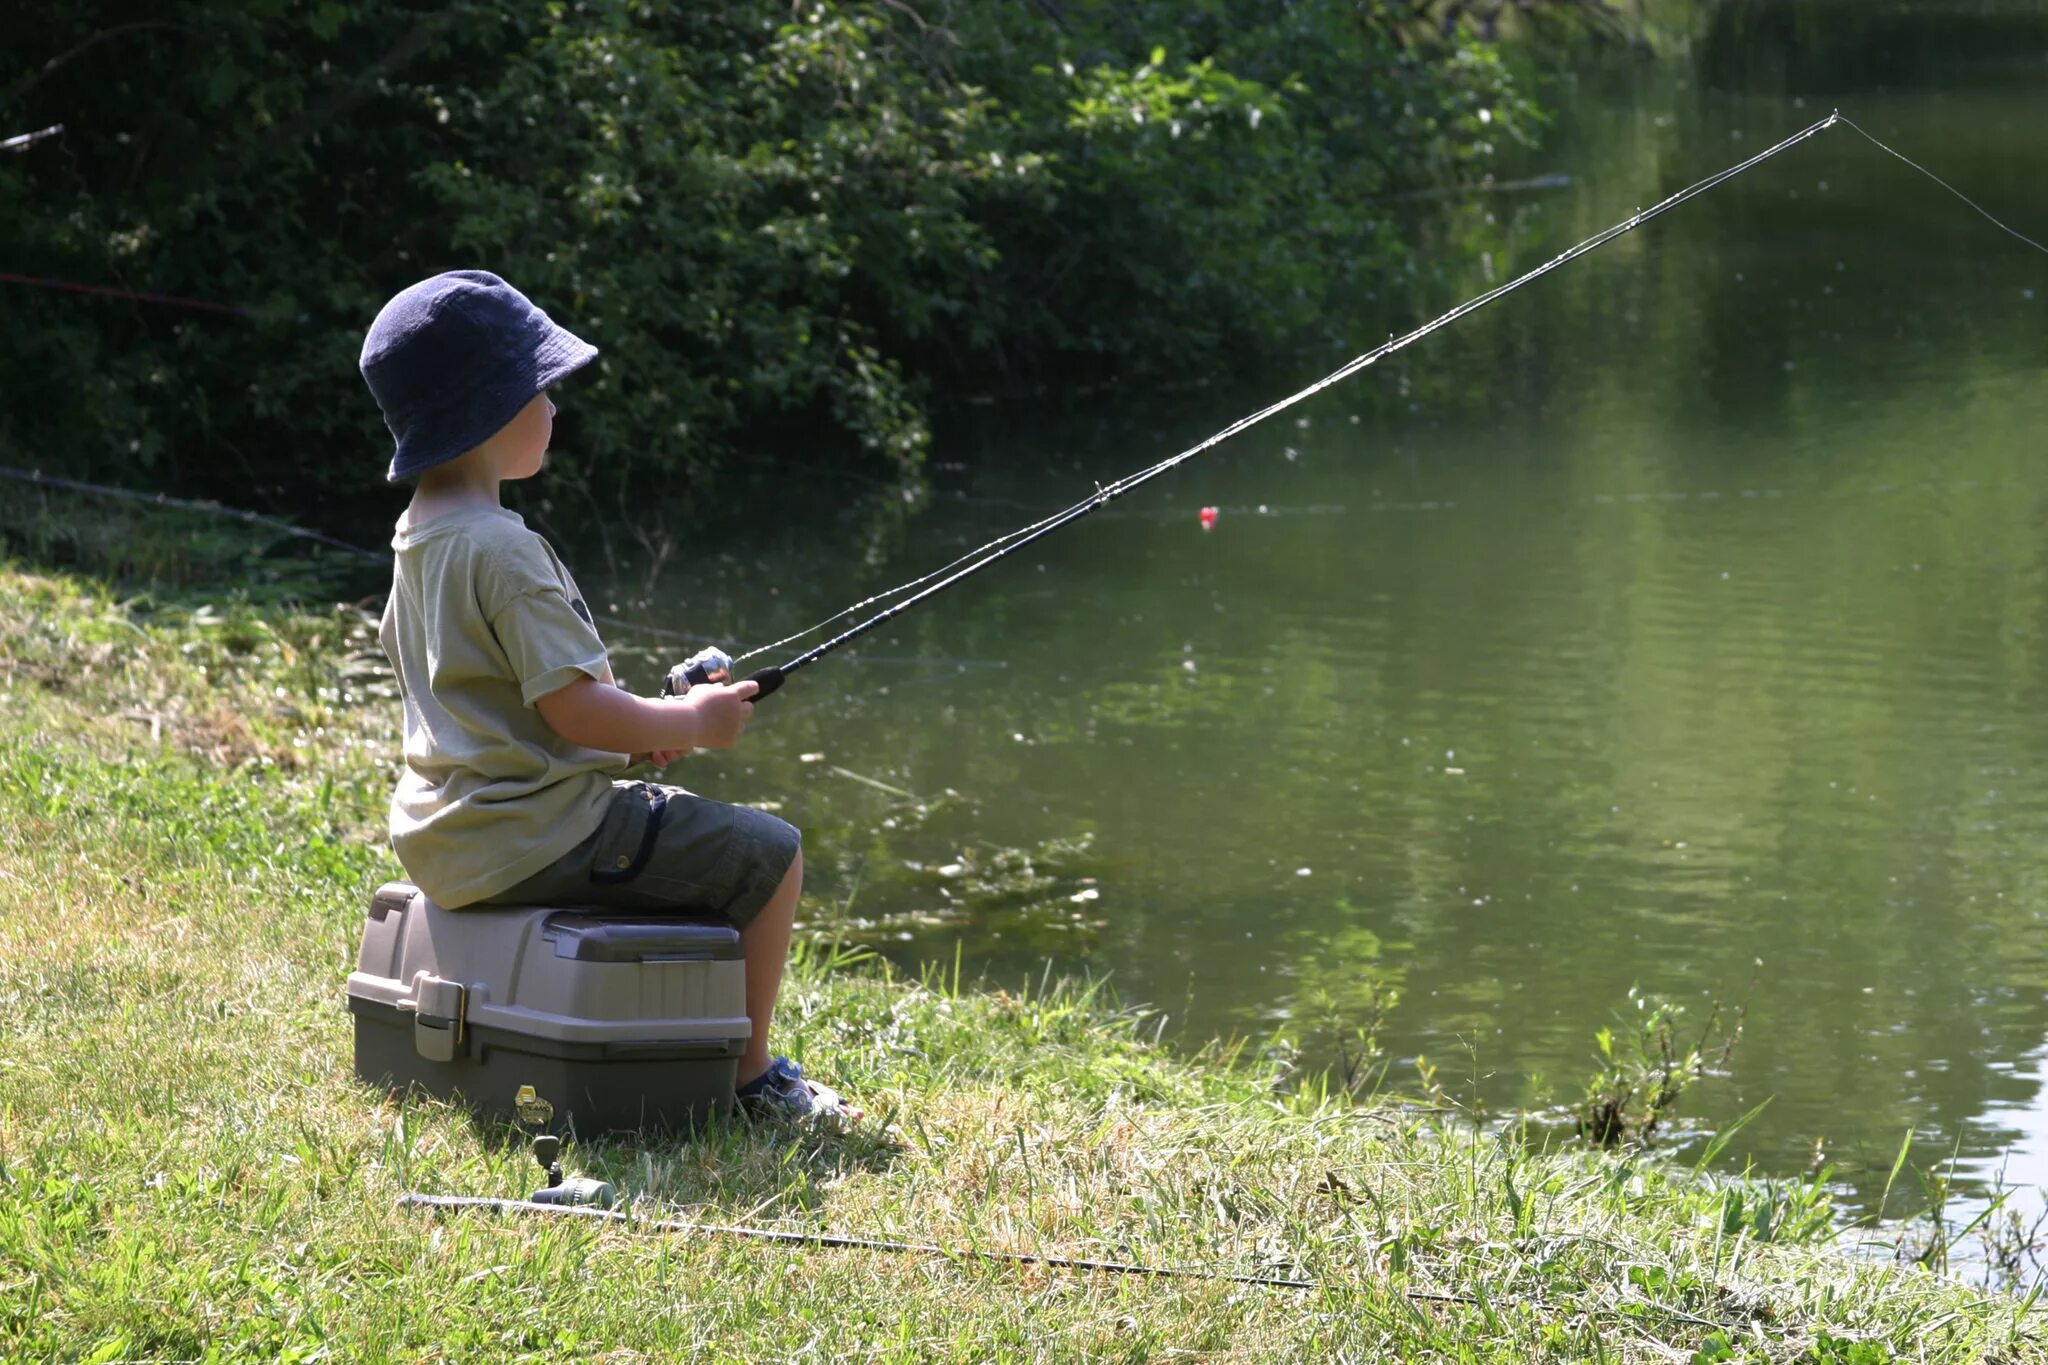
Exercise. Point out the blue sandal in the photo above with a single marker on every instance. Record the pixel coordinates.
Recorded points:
(784, 1092)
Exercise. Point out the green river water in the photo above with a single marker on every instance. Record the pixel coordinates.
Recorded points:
(1680, 622)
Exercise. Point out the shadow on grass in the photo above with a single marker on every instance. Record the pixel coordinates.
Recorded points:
(733, 1161)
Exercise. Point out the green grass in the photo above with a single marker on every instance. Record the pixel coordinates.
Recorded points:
(190, 812)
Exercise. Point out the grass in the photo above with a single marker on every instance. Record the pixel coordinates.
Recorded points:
(190, 812)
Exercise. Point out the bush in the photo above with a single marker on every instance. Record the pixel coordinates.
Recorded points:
(797, 225)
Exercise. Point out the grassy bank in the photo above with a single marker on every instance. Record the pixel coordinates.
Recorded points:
(190, 824)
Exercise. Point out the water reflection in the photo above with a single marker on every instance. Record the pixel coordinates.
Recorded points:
(1676, 623)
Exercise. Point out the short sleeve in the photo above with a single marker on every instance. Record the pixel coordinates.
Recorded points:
(543, 627)
(548, 643)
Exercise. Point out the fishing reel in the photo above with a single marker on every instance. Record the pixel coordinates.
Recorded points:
(705, 666)
(715, 666)
(571, 1190)
(536, 1112)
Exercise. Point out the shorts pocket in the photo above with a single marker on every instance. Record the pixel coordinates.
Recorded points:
(624, 846)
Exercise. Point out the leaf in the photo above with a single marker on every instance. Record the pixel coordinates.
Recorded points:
(113, 1348)
(1716, 1348)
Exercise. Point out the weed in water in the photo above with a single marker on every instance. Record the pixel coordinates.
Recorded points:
(1643, 1075)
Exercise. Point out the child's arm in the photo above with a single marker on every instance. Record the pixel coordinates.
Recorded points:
(599, 716)
(660, 758)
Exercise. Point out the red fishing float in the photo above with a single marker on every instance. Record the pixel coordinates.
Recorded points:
(1208, 518)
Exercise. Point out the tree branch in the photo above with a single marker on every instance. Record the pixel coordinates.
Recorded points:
(36, 78)
(1052, 12)
(415, 41)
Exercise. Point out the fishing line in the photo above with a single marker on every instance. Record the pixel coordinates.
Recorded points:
(1944, 184)
(769, 679)
(138, 296)
(277, 524)
(282, 527)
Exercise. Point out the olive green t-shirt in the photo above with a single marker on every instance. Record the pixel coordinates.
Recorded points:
(482, 621)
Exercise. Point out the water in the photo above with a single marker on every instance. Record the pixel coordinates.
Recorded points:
(1680, 622)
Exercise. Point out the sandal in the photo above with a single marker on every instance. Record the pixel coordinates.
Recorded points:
(784, 1092)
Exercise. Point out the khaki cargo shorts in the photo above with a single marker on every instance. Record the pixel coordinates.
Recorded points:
(666, 849)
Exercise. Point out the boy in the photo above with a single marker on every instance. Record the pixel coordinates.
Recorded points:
(514, 730)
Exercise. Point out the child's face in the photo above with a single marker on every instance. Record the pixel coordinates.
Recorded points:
(524, 439)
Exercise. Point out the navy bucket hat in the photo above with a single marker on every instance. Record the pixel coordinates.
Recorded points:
(454, 358)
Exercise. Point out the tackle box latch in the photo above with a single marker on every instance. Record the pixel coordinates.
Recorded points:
(438, 1008)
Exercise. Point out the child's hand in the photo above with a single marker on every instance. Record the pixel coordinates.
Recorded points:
(660, 758)
(722, 711)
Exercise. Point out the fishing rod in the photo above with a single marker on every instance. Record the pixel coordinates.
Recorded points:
(596, 1201)
(588, 1213)
(447, 1203)
(713, 665)
(23, 141)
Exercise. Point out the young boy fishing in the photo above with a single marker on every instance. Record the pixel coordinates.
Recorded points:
(515, 732)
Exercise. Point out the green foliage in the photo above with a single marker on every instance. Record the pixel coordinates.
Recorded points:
(787, 225)
(1715, 1349)
(1829, 1349)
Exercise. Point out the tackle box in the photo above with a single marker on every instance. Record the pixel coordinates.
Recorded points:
(618, 1020)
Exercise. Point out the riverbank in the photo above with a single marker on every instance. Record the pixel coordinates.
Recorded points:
(190, 824)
